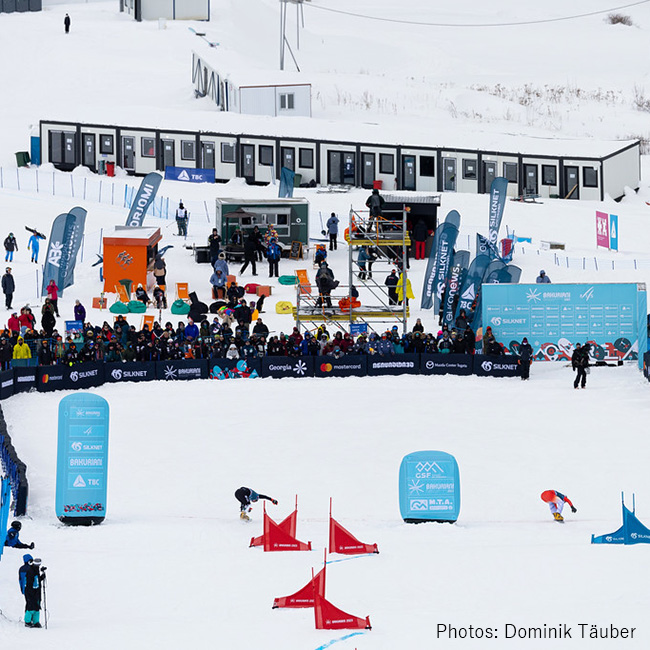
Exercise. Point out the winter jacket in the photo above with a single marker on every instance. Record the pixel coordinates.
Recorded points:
(420, 231)
(525, 352)
(273, 252)
(8, 284)
(10, 243)
(80, 312)
(191, 330)
(333, 225)
(21, 350)
(221, 265)
(52, 291)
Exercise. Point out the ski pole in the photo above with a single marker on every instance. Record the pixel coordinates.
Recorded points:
(44, 599)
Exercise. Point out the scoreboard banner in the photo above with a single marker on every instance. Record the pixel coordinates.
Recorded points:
(554, 317)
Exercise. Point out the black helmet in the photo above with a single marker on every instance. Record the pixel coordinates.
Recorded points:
(16, 524)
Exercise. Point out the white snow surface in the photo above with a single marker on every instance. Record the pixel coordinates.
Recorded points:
(171, 567)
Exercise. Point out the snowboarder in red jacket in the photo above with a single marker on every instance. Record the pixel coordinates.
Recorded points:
(556, 501)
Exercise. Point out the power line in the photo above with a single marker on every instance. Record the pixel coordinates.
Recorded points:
(311, 5)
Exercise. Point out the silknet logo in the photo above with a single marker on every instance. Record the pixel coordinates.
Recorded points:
(76, 446)
(116, 374)
(496, 320)
(300, 368)
(170, 372)
(487, 366)
(74, 375)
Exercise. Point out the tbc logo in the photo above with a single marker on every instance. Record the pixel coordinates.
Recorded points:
(76, 446)
(300, 368)
(496, 320)
(74, 375)
(487, 366)
(116, 374)
(79, 482)
(183, 176)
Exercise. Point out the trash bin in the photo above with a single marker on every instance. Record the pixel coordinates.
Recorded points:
(297, 179)
(22, 158)
(377, 185)
(110, 169)
(101, 167)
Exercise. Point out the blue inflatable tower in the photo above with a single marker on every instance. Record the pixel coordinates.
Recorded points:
(631, 532)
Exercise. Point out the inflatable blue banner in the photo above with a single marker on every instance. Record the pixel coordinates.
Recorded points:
(631, 532)
(429, 487)
(82, 459)
(189, 175)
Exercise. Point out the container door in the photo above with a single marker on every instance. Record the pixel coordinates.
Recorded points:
(69, 157)
(248, 162)
(56, 147)
(530, 175)
(368, 162)
(207, 155)
(489, 174)
(335, 167)
(408, 173)
(349, 171)
(289, 158)
(449, 176)
(88, 150)
(571, 186)
(169, 159)
(128, 153)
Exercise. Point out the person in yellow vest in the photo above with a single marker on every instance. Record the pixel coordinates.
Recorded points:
(21, 350)
(400, 290)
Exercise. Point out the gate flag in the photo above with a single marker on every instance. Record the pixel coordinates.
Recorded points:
(440, 261)
(143, 199)
(498, 191)
(65, 241)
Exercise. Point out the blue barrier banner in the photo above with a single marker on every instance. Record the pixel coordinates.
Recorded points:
(234, 368)
(6, 384)
(396, 364)
(5, 505)
(182, 369)
(554, 317)
(429, 487)
(278, 367)
(501, 366)
(24, 379)
(132, 371)
(82, 459)
(189, 175)
(446, 364)
(348, 366)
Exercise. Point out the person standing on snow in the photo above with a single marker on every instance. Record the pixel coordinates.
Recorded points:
(333, 230)
(580, 363)
(8, 287)
(33, 591)
(10, 246)
(556, 502)
(273, 254)
(525, 358)
(66, 24)
(34, 244)
(181, 219)
(246, 496)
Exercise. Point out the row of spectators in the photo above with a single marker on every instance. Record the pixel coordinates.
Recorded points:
(225, 336)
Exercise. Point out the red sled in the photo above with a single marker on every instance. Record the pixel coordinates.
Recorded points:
(287, 525)
(344, 542)
(306, 596)
(329, 617)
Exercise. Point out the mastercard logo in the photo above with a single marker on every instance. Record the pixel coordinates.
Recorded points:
(45, 379)
(326, 367)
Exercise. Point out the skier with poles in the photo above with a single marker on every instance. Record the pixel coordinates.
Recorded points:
(556, 502)
(246, 496)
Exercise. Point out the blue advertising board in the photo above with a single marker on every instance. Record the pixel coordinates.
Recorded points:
(278, 367)
(189, 175)
(82, 459)
(358, 328)
(613, 232)
(429, 487)
(554, 317)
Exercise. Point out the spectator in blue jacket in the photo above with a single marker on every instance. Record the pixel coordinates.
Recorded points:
(13, 540)
(273, 254)
(221, 264)
(218, 281)
(191, 330)
(384, 347)
(22, 572)
(542, 278)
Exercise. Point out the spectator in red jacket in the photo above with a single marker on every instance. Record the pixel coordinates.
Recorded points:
(13, 323)
(556, 502)
(53, 293)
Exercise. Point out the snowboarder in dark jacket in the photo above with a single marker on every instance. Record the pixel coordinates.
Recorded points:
(13, 540)
(580, 363)
(33, 591)
(525, 358)
(246, 496)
